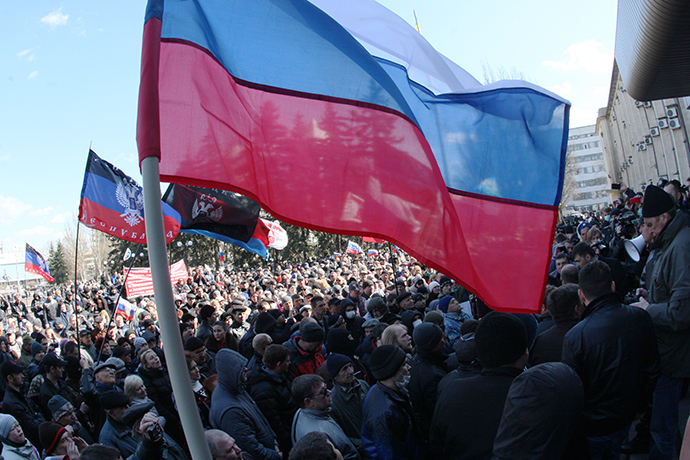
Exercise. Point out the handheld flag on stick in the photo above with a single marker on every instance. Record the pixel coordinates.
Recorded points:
(226, 102)
(128, 254)
(35, 263)
(219, 214)
(125, 309)
(113, 203)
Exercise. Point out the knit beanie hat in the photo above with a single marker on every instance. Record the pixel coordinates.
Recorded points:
(500, 339)
(427, 336)
(386, 361)
(312, 332)
(36, 348)
(193, 343)
(444, 302)
(433, 285)
(6, 422)
(138, 342)
(59, 406)
(50, 433)
(335, 362)
(656, 202)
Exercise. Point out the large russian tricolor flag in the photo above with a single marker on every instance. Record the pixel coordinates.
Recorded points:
(113, 203)
(338, 116)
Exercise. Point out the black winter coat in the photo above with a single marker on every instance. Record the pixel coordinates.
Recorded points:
(540, 414)
(468, 413)
(28, 416)
(427, 371)
(272, 394)
(614, 351)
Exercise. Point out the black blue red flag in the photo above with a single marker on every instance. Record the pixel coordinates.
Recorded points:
(219, 214)
(113, 203)
(35, 263)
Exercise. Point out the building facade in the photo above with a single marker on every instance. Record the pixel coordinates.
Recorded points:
(644, 141)
(586, 181)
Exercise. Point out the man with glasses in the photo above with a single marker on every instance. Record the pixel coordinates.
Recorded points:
(312, 395)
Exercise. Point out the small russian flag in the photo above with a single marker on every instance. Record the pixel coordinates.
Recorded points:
(373, 252)
(125, 309)
(353, 248)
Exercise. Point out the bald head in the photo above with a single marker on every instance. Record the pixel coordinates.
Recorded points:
(222, 446)
(260, 342)
(569, 274)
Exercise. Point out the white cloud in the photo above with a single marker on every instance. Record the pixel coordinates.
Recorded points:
(582, 116)
(41, 212)
(56, 18)
(61, 218)
(587, 56)
(33, 74)
(11, 208)
(38, 231)
(564, 90)
(27, 55)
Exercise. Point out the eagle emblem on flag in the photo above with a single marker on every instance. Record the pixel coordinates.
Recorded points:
(131, 199)
(204, 206)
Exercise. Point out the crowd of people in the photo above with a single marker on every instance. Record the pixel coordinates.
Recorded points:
(368, 357)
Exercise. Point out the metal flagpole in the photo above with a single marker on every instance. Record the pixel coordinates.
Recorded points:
(167, 317)
(117, 301)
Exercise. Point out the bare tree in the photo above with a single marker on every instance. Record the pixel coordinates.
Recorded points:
(500, 73)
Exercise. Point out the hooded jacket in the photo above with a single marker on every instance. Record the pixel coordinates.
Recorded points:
(236, 413)
(667, 277)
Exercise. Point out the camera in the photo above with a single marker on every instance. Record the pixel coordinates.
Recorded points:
(155, 432)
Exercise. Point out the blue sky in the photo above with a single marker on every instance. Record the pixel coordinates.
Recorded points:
(69, 77)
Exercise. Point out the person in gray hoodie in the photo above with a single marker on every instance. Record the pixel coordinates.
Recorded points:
(236, 413)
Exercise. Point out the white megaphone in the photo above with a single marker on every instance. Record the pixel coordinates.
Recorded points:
(635, 247)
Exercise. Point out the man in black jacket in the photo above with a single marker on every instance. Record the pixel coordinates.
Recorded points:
(16, 405)
(468, 411)
(428, 368)
(614, 351)
(270, 389)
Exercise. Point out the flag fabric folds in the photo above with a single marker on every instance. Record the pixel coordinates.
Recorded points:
(125, 309)
(113, 203)
(269, 97)
(35, 263)
(277, 236)
(373, 252)
(220, 214)
(353, 248)
(139, 281)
